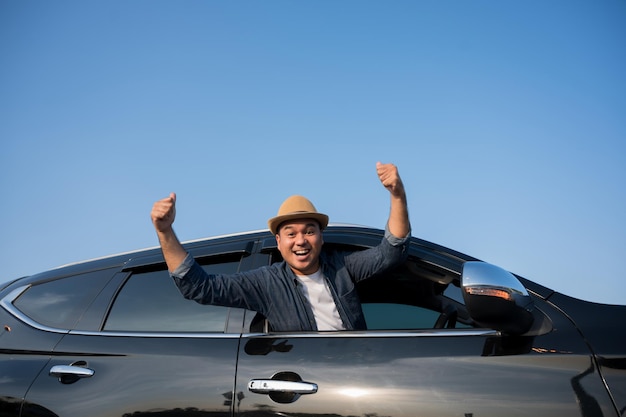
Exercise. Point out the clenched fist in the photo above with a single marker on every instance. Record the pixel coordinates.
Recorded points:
(390, 178)
(163, 213)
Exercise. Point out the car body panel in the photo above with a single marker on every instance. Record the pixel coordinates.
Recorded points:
(439, 372)
(603, 327)
(399, 375)
(138, 375)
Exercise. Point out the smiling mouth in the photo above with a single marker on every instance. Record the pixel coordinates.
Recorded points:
(302, 252)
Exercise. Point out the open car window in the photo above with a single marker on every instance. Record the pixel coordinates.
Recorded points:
(415, 295)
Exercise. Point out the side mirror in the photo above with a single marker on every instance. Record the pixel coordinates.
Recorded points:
(496, 299)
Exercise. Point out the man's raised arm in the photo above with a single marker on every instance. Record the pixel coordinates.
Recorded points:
(163, 215)
(398, 222)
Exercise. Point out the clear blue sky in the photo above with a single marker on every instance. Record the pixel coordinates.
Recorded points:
(507, 121)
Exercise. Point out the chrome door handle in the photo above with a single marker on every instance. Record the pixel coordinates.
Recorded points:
(71, 371)
(268, 386)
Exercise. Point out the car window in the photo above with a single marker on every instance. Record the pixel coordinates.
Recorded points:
(413, 296)
(389, 316)
(60, 303)
(150, 302)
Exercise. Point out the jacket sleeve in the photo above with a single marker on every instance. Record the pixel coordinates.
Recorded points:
(391, 252)
(228, 290)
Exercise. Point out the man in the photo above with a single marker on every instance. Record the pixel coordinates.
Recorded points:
(311, 289)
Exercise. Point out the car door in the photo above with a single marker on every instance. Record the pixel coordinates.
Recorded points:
(421, 356)
(143, 350)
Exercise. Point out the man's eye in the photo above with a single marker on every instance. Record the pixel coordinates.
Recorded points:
(310, 232)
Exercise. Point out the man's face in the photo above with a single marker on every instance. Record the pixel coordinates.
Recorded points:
(300, 243)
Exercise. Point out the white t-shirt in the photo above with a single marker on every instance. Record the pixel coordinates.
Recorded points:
(324, 309)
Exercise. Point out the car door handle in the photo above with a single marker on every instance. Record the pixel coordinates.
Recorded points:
(268, 386)
(71, 371)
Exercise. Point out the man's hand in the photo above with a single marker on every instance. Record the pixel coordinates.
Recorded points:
(390, 178)
(163, 213)
(398, 222)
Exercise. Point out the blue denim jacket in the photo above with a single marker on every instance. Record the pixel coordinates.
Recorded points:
(273, 290)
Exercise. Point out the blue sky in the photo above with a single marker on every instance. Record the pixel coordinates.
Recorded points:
(507, 121)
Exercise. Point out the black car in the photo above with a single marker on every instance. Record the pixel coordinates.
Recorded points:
(447, 335)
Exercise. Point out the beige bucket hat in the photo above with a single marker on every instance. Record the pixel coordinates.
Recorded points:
(296, 207)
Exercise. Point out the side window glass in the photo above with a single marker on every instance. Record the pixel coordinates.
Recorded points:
(60, 303)
(453, 292)
(150, 302)
(413, 296)
(388, 316)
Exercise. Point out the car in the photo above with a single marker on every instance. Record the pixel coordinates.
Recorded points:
(448, 335)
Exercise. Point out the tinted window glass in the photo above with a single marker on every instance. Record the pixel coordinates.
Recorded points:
(60, 303)
(384, 316)
(150, 302)
(453, 292)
